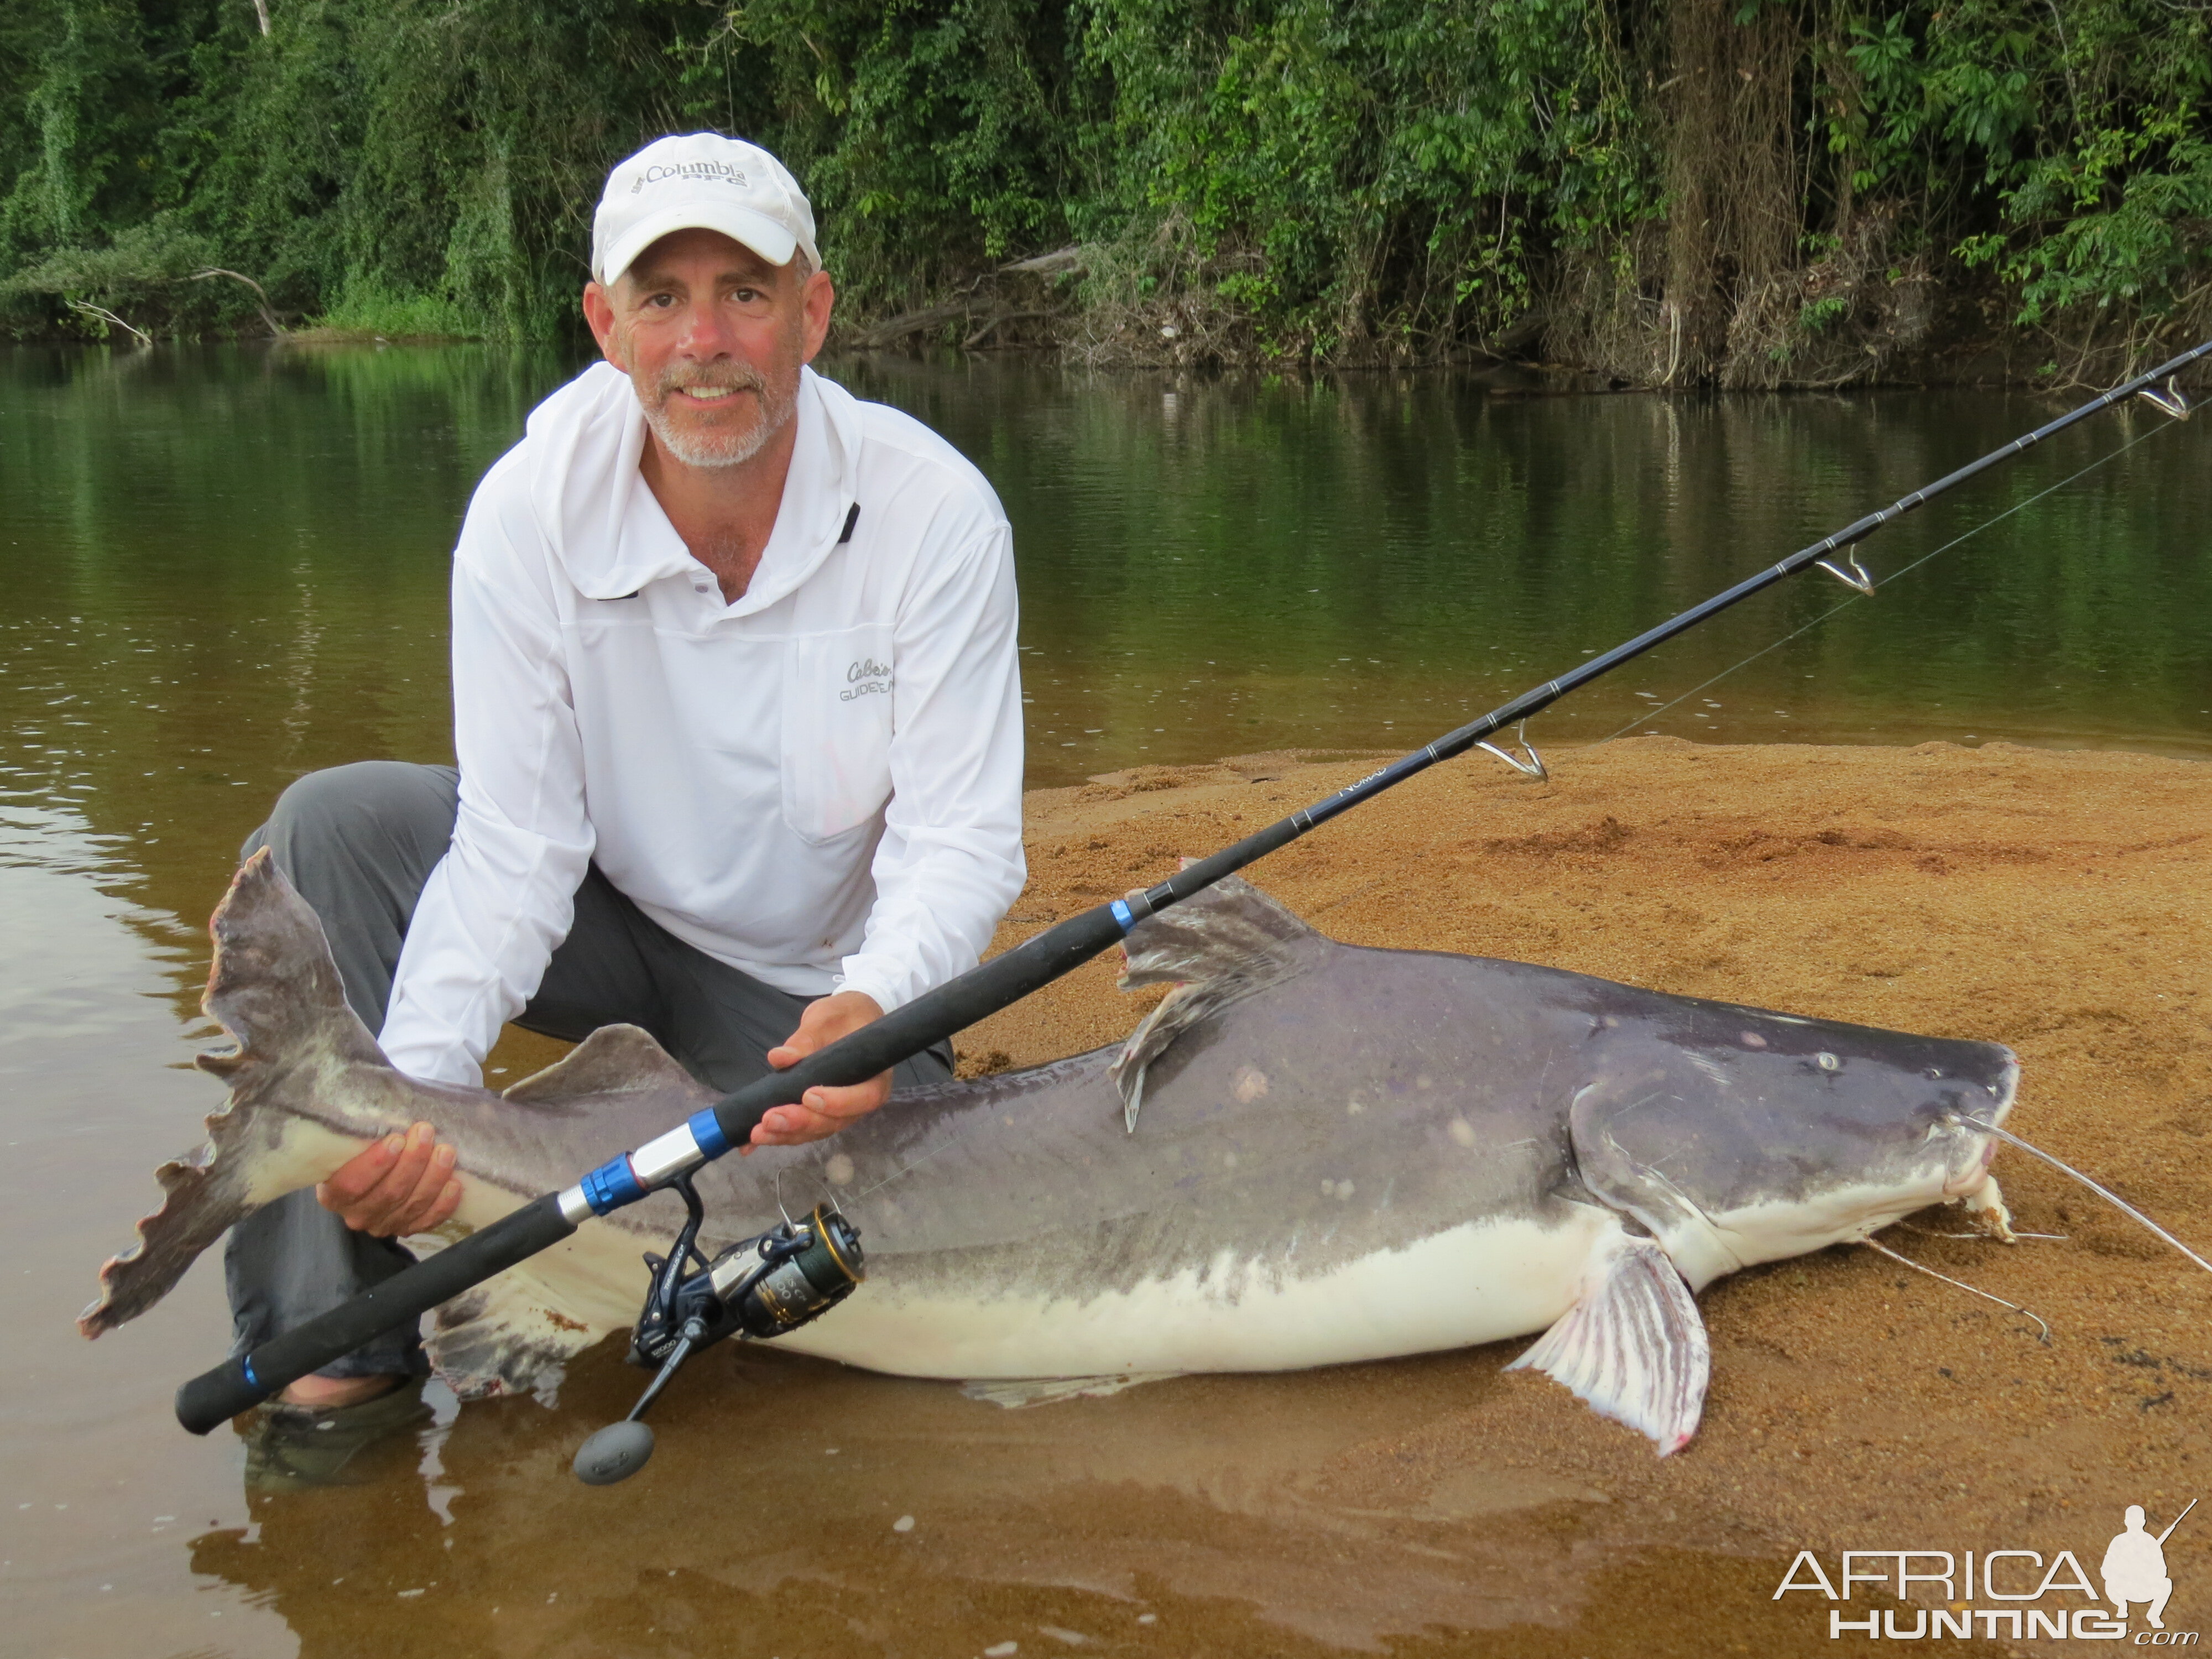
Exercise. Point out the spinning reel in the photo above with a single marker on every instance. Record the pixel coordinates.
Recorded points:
(760, 1287)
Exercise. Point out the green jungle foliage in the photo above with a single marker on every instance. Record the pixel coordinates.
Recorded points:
(1747, 191)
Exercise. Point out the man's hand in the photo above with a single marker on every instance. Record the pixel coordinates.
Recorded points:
(403, 1184)
(823, 1111)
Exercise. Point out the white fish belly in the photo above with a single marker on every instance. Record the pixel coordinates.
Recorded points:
(1478, 1282)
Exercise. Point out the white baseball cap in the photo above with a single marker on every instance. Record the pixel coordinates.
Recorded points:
(701, 181)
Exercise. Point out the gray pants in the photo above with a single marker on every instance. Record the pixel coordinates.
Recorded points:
(359, 842)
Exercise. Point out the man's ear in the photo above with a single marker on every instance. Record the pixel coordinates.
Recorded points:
(815, 300)
(600, 313)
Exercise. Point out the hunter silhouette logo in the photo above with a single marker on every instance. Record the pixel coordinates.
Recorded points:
(2134, 1566)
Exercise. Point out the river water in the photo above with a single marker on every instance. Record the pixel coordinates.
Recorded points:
(227, 566)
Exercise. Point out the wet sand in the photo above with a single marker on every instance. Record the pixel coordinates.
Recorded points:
(2053, 902)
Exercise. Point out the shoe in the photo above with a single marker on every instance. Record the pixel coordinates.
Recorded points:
(294, 1447)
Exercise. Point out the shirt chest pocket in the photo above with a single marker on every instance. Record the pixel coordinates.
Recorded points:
(837, 694)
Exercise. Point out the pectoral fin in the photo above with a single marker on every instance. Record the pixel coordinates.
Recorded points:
(1632, 1346)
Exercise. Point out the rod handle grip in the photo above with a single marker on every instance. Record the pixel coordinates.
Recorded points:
(244, 1380)
(217, 1395)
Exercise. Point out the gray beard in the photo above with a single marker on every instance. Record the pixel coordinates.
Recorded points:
(720, 447)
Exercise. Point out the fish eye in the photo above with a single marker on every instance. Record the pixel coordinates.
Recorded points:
(1827, 1062)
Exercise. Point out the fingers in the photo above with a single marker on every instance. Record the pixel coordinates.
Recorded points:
(824, 1110)
(809, 1038)
(443, 1204)
(821, 1113)
(823, 1022)
(403, 1184)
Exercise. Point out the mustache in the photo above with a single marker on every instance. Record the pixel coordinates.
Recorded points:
(731, 377)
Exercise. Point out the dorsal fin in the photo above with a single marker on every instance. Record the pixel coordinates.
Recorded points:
(1216, 947)
(615, 1059)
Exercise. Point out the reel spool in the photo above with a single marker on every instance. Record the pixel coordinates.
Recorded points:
(759, 1288)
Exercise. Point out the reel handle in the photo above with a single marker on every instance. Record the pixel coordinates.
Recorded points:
(620, 1449)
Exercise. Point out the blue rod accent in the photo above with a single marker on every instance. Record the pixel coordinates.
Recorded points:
(246, 1365)
(1123, 915)
(612, 1185)
(707, 1130)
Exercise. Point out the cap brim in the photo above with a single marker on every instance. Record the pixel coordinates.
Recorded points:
(774, 242)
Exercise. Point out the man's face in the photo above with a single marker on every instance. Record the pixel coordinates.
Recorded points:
(712, 336)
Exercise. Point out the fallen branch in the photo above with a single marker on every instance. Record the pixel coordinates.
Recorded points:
(261, 295)
(994, 320)
(1062, 262)
(111, 319)
(914, 322)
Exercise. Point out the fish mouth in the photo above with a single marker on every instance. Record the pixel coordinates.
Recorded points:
(1970, 1174)
(1977, 1149)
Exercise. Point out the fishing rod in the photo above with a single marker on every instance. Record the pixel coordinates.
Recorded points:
(797, 1270)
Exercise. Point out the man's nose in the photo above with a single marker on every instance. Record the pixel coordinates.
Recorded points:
(706, 332)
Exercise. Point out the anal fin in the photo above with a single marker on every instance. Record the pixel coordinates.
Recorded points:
(1632, 1347)
(1016, 1392)
(508, 1335)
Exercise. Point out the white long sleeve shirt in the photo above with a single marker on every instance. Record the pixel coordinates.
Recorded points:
(819, 784)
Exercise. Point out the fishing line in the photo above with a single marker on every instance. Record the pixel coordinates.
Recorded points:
(2105, 1193)
(2044, 1339)
(902, 1173)
(1654, 713)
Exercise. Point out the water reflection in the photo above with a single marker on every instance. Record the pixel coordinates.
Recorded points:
(1203, 1515)
(1368, 561)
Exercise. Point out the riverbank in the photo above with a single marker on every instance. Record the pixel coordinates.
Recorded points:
(1162, 336)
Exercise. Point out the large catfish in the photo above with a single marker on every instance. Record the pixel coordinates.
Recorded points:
(1309, 1153)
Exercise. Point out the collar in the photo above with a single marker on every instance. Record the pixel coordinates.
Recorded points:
(583, 444)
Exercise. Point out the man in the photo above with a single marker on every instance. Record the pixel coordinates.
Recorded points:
(738, 719)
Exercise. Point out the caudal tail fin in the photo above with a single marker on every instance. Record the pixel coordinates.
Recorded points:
(276, 991)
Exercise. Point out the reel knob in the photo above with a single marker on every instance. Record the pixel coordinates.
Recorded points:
(614, 1453)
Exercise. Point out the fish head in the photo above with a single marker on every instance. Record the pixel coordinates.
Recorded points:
(1740, 1136)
